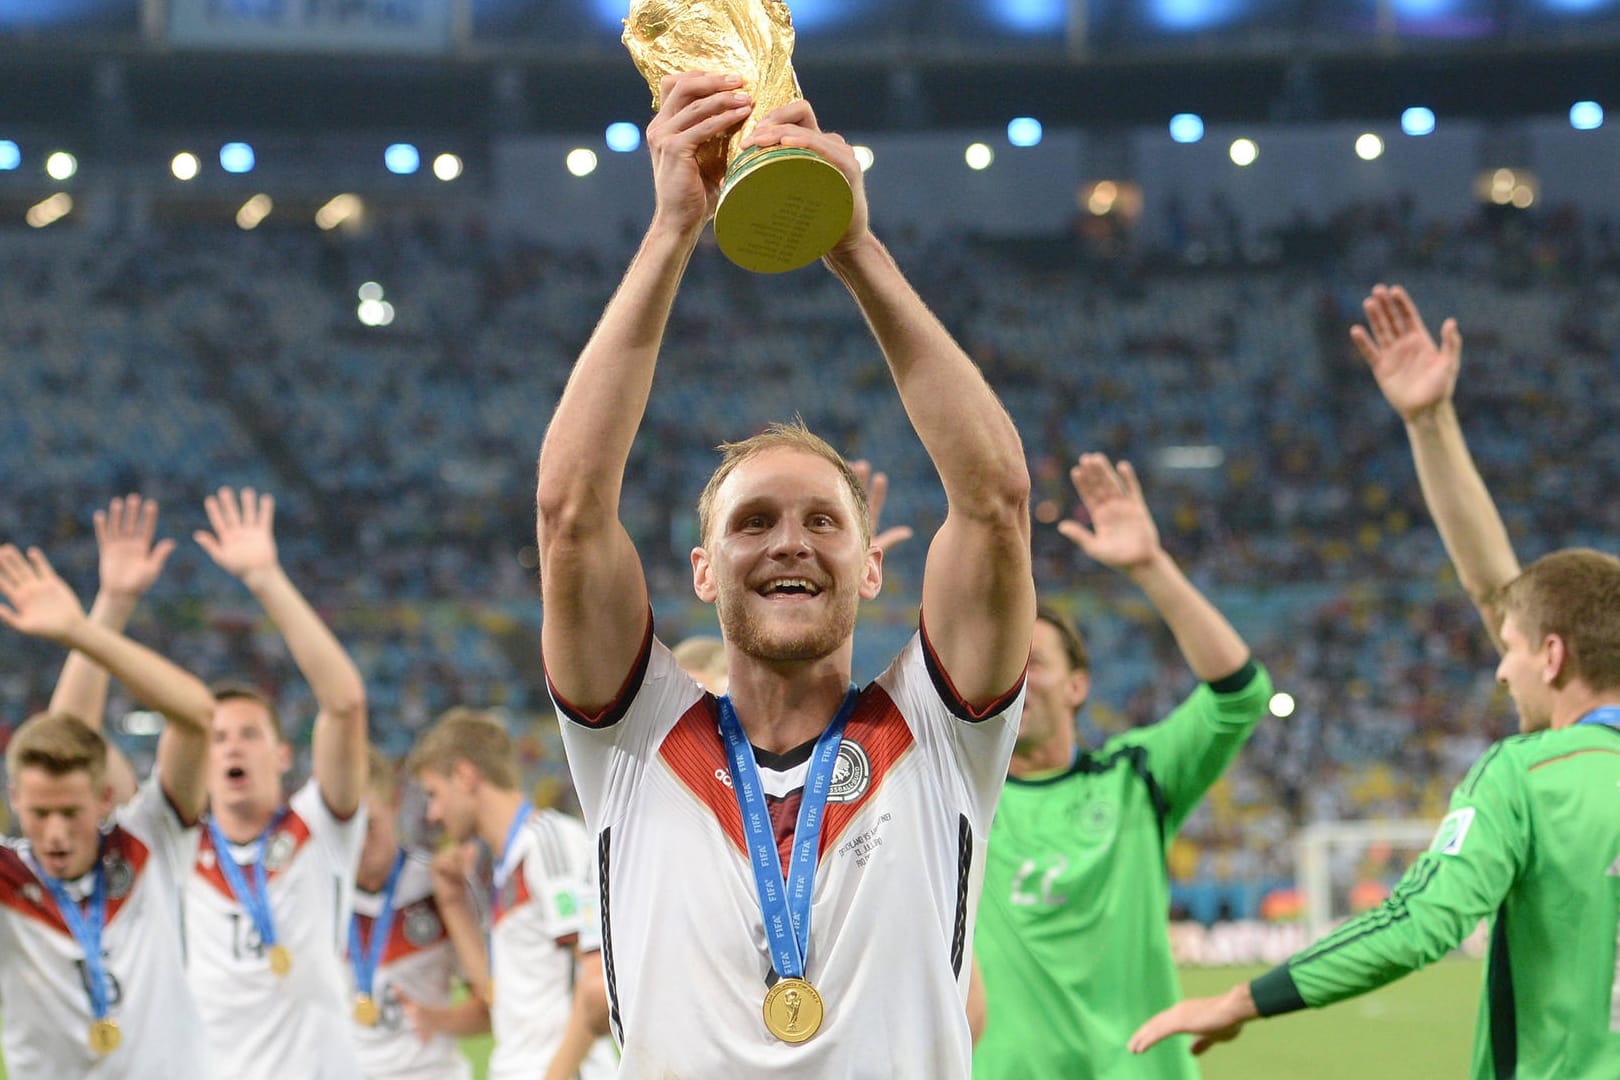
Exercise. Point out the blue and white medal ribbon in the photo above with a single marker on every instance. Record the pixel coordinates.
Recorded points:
(793, 1008)
(1603, 714)
(255, 897)
(365, 955)
(86, 928)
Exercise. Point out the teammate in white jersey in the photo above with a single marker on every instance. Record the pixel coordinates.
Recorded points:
(700, 982)
(268, 903)
(468, 768)
(92, 982)
(400, 960)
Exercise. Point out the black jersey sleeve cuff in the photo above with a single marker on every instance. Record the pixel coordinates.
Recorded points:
(1274, 993)
(1238, 680)
(614, 711)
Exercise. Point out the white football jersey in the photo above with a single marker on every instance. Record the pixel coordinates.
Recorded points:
(418, 960)
(260, 1025)
(535, 921)
(44, 997)
(897, 886)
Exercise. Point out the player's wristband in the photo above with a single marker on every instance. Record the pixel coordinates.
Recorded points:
(1274, 993)
(1238, 680)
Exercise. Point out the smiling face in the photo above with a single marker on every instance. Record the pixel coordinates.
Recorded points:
(247, 759)
(787, 562)
(61, 817)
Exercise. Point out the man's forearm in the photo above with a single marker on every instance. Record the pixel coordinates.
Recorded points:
(155, 681)
(81, 690)
(1211, 645)
(961, 423)
(1467, 518)
(325, 664)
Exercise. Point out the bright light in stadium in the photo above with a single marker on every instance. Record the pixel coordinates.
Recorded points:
(581, 162)
(236, 157)
(402, 159)
(1102, 198)
(1586, 116)
(1282, 704)
(979, 156)
(1027, 16)
(185, 166)
(864, 155)
(1418, 121)
(371, 291)
(1186, 127)
(254, 211)
(10, 155)
(1024, 131)
(342, 208)
(142, 722)
(1190, 457)
(1243, 152)
(623, 137)
(61, 165)
(1523, 196)
(50, 211)
(375, 312)
(1369, 147)
(1192, 14)
(447, 167)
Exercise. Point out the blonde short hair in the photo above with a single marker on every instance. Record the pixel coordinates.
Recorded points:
(59, 744)
(1574, 593)
(471, 735)
(780, 436)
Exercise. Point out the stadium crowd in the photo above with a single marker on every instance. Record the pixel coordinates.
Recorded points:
(172, 361)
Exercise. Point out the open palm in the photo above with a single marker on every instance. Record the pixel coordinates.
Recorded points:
(42, 604)
(1122, 534)
(130, 561)
(1413, 372)
(243, 541)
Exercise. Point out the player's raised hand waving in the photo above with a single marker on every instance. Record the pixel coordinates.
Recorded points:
(130, 561)
(876, 486)
(1413, 372)
(1122, 534)
(42, 604)
(243, 541)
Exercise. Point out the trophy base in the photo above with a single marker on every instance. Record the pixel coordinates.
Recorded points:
(781, 207)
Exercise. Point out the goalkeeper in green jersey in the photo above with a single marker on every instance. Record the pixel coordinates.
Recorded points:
(1532, 843)
(1072, 941)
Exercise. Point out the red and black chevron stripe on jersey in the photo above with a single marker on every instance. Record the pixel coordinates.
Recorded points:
(511, 896)
(416, 927)
(207, 861)
(22, 891)
(696, 754)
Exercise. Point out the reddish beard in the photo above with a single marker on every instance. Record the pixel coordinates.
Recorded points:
(756, 638)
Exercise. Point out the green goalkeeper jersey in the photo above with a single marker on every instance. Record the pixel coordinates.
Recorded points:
(1531, 842)
(1071, 940)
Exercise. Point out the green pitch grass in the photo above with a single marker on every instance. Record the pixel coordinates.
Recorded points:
(1421, 1026)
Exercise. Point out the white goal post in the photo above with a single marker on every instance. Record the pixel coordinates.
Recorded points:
(1321, 849)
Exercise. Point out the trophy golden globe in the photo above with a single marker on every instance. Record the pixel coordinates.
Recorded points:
(780, 207)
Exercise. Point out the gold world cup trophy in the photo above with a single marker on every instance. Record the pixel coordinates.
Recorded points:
(780, 207)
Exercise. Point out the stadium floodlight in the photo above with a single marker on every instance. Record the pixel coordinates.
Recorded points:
(979, 156)
(1586, 116)
(1417, 120)
(61, 165)
(447, 167)
(375, 312)
(50, 211)
(185, 166)
(1281, 705)
(402, 159)
(1369, 147)
(370, 290)
(581, 161)
(237, 157)
(1186, 127)
(339, 209)
(10, 155)
(1024, 131)
(864, 155)
(623, 137)
(254, 211)
(1243, 152)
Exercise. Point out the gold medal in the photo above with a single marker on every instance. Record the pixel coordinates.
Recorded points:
(280, 960)
(105, 1036)
(793, 1010)
(366, 1013)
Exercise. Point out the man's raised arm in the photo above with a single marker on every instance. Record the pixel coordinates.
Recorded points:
(243, 543)
(591, 581)
(43, 605)
(978, 588)
(1417, 379)
(130, 563)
